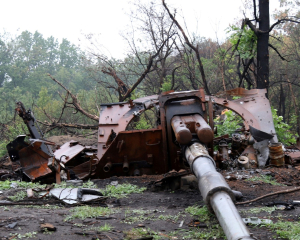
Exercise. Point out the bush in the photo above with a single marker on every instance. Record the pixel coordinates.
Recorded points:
(282, 129)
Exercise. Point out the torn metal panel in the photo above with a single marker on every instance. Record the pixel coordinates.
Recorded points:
(295, 156)
(87, 169)
(131, 150)
(68, 151)
(253, 107)
(33, 160)
(82, 160)
(71, 195)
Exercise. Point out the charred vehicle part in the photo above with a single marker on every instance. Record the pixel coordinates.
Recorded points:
(182, 137)
(33, 157)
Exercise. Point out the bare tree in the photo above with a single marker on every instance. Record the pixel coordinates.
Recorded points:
(194, 48)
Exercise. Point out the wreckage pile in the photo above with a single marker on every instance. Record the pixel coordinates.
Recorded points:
(184, 137)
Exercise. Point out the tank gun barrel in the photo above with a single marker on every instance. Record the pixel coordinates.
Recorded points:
(216, 193)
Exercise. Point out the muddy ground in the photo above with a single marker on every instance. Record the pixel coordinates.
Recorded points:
(160, 212)
(146, 211)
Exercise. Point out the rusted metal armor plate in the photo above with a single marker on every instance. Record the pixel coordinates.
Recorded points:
(66, 152)
(253, 107)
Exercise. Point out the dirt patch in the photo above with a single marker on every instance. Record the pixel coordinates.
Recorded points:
(161, 213)
(87, 141)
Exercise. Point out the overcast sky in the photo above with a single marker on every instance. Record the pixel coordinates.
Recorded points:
(108, 18)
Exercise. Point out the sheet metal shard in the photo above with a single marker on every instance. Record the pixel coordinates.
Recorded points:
(70, 195)
(259, 135)
(68, 151)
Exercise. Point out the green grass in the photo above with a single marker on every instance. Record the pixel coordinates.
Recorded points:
(122, 190)
(46, 206)
(140, 233)
(214, 230)
(18, 196)
(172, 218)
(265, 179)
(88, 184)
(84, 212)
(201, 212)
(256, 210)
(4, 185)
(119, 191)
(29, 235)
(287, 230)
(105, 228)
(138, 215)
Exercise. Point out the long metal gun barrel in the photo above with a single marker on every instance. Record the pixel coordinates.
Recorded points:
(216, 193)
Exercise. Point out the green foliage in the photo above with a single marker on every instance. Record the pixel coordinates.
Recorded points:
(230, 124)
(122, 190)
(283, 129)
(246, 40)
(87, 184)
(104, 228)
(88, 212)
(256, 210)
(167, 84)
(201, 212)
(140, 233)
(11, 132)
(266, 179)
(213, 231)
(286, 230)
(29, 235)
(4, 185)
(137, 215)
(142, 123)
(18, 196)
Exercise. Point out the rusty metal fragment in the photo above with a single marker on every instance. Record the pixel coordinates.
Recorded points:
(276, 154)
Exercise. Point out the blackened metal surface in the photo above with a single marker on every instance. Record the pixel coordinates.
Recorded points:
(259, 135)
(15, 146)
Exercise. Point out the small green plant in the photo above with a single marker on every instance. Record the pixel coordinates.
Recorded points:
(201, 212)
(18, 196)
(245, 40)
(167, 84)
(172, 218)
(122, 190)
(138, 215)
(265, 179)
(89, 212)
(29, 235)
(283, 129)
(213, 231)
(10, 133)
(105, 228)
(47, 232)
(142, 123)
(286, 230)
(140, 233)
(257, 210)
(22, 185)
(230, 124)
(87, 184)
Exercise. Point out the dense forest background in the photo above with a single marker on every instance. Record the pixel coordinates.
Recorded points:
(54, 77)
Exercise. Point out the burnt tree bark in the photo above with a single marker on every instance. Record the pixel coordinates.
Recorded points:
(263, 45)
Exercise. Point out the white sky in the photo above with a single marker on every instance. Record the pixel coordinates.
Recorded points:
(108, 18)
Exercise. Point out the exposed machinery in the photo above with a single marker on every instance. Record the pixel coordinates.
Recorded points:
(184, 137)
